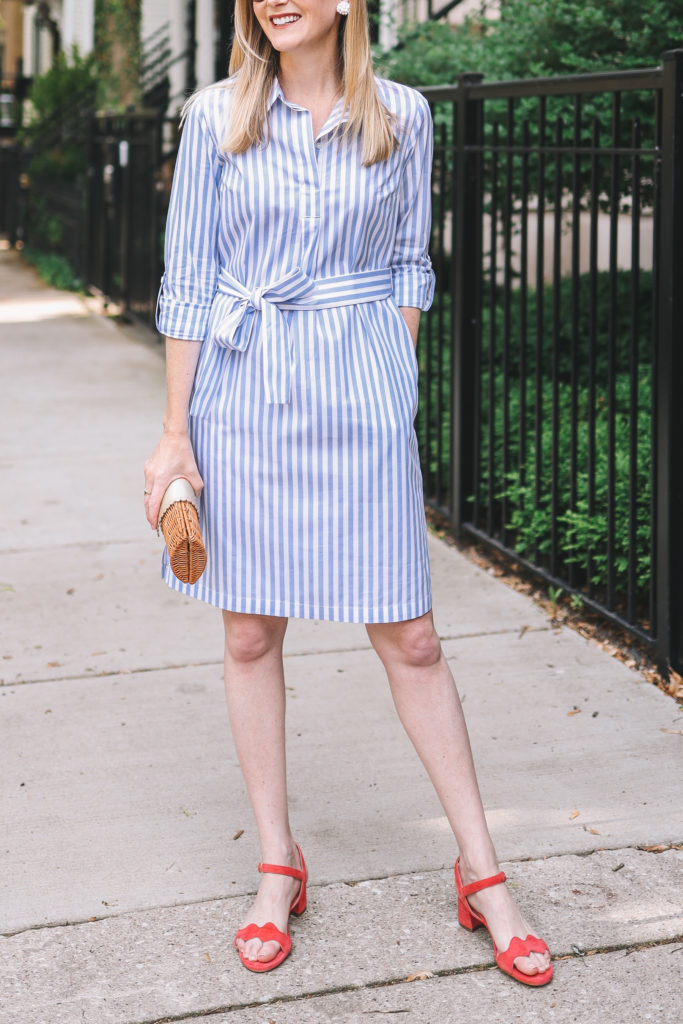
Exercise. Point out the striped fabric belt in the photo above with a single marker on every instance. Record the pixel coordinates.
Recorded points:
(294, 290)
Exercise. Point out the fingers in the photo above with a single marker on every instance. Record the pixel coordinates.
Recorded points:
(170, 460)
(152, 505)
(154, 493)
(151, 502)
(155, 485)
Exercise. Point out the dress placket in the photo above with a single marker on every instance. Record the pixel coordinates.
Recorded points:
(310, 200)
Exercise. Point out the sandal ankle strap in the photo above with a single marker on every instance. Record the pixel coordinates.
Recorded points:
(279, 869)
(484, 883)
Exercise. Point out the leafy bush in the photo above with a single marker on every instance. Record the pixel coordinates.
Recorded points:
(61, 103)
(535, 38)
(66, 86)
(66, 162)
(539, 38)
(55, 270)
(581, 531)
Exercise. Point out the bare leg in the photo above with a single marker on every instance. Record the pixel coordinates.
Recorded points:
(254, 685)
(428, 705)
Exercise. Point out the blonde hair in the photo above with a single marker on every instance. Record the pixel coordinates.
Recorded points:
(253, 68)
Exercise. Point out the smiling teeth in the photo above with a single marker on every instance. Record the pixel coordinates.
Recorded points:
(285, 19)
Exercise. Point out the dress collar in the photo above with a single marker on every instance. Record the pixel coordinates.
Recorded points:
(336, 117)
(275, 93)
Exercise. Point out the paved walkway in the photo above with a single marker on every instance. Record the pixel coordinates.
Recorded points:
(128, 850)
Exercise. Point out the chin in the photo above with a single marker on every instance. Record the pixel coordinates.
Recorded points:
(283, 47)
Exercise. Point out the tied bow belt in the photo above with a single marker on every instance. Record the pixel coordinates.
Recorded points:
(237, 315)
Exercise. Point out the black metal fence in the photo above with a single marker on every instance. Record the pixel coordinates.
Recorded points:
(93, 187)
(552, 360)
(126, 211)
(106, 216)
(10, 175)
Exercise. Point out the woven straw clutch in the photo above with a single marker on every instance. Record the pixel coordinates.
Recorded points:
(179, 523)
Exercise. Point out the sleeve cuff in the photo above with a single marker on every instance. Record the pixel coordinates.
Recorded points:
(185, 320)
(413, 286)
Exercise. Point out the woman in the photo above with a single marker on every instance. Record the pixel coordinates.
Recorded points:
(296, 250)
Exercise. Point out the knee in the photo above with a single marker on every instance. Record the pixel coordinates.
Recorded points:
(417, 644)
(251, 639)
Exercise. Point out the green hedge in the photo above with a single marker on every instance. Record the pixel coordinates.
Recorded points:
(54, 269)
(581, 536)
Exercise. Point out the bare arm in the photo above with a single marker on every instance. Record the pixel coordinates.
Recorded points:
(412, 319)
(173, 456)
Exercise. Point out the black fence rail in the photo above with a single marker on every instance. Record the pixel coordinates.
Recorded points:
(93, 187)
(10, 174)
(126, 210)
(552, 360)
(106, 216)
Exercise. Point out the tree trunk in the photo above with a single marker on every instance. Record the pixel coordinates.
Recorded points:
(117, 45)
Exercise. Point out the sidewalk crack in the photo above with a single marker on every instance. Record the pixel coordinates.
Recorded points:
(627, 949)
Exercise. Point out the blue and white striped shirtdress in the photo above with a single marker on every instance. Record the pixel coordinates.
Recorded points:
(289, 262)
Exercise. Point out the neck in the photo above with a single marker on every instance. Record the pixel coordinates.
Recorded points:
(309, 75)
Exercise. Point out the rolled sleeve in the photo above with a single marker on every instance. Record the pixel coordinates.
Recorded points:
(411, 267)
(189, 282)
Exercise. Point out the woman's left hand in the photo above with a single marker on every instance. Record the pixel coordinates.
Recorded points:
(412, 319)
(172, 458)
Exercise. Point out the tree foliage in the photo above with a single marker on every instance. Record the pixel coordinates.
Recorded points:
(535, 38)
(546, 38)
(67, 84)
(118, 49)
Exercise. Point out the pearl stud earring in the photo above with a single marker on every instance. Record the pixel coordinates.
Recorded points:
(343, 7)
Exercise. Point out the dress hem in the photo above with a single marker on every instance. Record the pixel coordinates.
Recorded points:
(288, 610)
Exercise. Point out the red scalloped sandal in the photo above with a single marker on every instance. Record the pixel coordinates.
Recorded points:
(268, 932)
(470, 919)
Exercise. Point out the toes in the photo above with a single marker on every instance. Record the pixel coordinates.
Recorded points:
(541, 961)
(525, 965)
(268, 951)
(251, 949)
(535, 963)
(254, 950)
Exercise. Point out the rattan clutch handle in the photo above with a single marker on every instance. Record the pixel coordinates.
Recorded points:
(179, 522)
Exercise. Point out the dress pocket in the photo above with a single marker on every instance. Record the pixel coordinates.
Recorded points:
(394, 353)
(407, 336)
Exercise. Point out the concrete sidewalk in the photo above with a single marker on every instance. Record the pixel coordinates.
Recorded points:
(128, 848)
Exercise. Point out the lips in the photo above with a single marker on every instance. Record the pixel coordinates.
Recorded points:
(282, 20)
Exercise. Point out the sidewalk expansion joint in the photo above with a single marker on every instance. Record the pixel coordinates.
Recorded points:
(625, 948)
(107, 674)
(293, 654)
(325, 885)
(106, 542)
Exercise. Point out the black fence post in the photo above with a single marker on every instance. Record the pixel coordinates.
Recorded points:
(126, 147)
(157, 221)
(465, 298)
(89, 211)
(669, 383)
